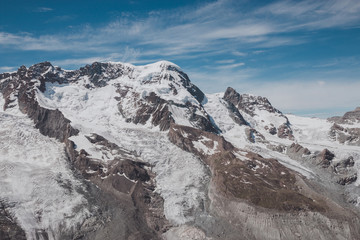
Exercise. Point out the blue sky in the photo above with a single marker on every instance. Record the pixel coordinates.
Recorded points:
(303, 55)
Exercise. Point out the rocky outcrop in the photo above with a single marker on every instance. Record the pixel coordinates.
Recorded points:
(298, 149)
(248, 103)
(100, 73)
(325, 158)
(352, 115)
(252, 105)
(347, 179)
(340, 130)
(344, 165)
(235, 114)
(348, 118)
(158, 110)
(284, 131)
(254, 136)
(262, 182)
(9, 230)
(345, 135)
(129, 182)
(260, 198)
(297, 152)
(251, 222)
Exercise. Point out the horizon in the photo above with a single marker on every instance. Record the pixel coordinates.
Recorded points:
(302, 55)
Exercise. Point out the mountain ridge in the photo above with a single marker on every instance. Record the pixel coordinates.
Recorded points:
(145, 137)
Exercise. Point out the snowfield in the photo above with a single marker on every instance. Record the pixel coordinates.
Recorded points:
(181, 177)
(35, 179)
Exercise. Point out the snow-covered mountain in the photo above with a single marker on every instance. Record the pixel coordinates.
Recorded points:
(116, 151)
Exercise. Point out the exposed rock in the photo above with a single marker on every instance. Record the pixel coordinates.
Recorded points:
(251, 222)
(344, 135)
(158, 110)
(344, 165)
(325, 158)
(348, 118)
(353, 115)
(247, 102)
(254, 136)
(284, 131)
(51, 123)
(297, 152)
(272, 130)
(235, 114)
(278, 148)
(262, 182)
(347, 179)
(9, 230)
(128, 182)
(256, 196)
(251, 104)
(232, 96)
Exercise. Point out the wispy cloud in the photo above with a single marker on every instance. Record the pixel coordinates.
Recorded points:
(127, 55)
(7, 69)
(227, 61)
(315, 14)
(233, 34)
(44, 9)
(235, 65)
(189, 31)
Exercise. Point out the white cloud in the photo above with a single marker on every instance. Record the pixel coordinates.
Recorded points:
(7, 69)
(235, 65)
(44, 9)
(320, 14)
(226, 61)
(238, 53)
(205, 28)
(216, 28)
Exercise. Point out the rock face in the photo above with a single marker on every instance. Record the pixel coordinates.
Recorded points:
(325, 158)
(343, 165)
(248, 201)
(249, 103)
(347, 135)
(127, 182)
(348, 117)
(9, 230)
(347, 180)
(237, 178)
(260, 107)
(297, 152)
(353, 115)
(133, 136)
(346, 129)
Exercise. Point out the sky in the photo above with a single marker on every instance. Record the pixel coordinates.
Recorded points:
(304, 56)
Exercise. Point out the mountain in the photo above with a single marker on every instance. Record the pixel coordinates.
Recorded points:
(117, 151)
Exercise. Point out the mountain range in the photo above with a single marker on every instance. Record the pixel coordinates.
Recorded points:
(117, 151)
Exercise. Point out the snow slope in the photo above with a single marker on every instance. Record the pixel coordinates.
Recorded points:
(181, 177)
(44, 195)
(35, 179)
